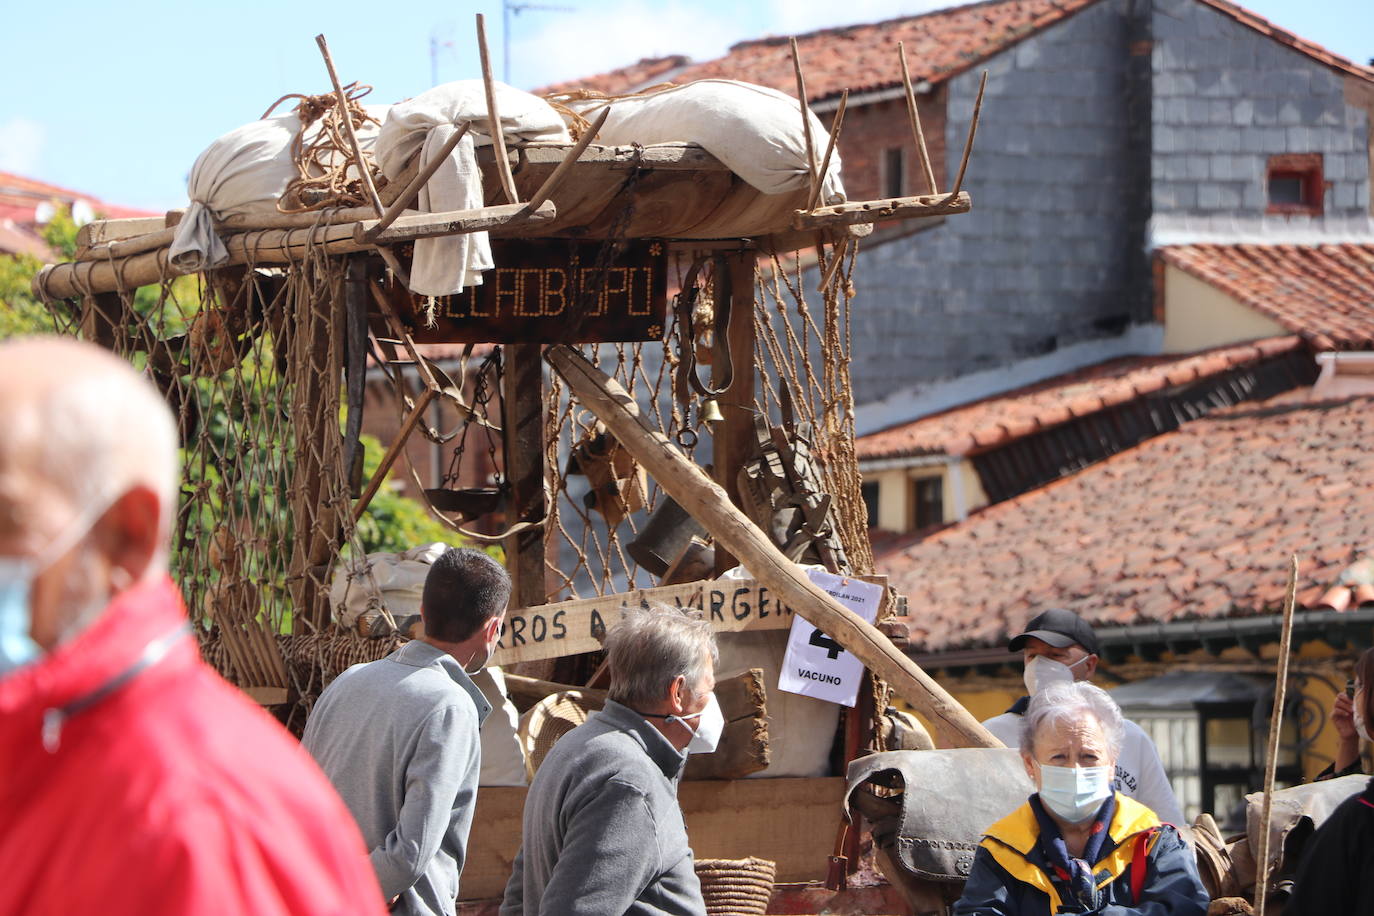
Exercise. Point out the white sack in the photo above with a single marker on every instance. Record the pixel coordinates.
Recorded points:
(448, 265)
(801, 730)
(754, 130)
(249, 165)
(503, 760)
(395, 581)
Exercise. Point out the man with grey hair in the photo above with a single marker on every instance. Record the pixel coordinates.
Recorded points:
(603, 832)
(135, 779)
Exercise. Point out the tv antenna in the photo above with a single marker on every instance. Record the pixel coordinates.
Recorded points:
(511, 8)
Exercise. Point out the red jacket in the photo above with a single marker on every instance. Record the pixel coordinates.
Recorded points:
(165, 790)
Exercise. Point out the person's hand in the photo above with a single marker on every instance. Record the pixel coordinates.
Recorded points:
(1343, 717)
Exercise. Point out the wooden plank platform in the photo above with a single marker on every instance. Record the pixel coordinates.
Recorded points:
(791, 821)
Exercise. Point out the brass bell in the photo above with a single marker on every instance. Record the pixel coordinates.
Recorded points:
(710, 412)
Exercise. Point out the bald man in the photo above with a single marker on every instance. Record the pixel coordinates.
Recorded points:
(133, 779)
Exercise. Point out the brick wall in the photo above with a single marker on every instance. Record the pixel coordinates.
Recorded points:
(870, 130)
(1226, 99)
(1048, 254)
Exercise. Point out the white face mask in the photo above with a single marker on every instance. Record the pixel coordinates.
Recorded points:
(1074, 793)
(1042, 671)
(710, 724)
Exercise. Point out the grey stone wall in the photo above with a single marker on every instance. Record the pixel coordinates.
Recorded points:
(1226, 98)
(1046, 257)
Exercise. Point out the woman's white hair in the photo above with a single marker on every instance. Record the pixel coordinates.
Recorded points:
(651, 646)
(1059, 703)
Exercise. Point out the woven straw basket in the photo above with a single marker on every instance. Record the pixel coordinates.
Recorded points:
(550, 719)
(736, 887)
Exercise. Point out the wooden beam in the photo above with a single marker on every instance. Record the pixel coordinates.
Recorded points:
(522, 411)
(452, 222)
(104, 231)
(734, 438)
(708, 503)
(412, 190)
(498, 133)
(914, 115)
(873, 211)
(392, 453)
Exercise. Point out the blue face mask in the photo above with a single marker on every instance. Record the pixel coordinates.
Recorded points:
(17, 648)
(1074, 793)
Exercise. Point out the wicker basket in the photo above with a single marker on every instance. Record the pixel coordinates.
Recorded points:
(736, 887)
(550, 719)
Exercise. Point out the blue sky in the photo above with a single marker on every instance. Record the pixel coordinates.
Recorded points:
(117, 99)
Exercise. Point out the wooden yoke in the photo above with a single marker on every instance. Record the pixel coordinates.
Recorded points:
(708, 503)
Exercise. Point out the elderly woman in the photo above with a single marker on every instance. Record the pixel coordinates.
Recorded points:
(1076, 846)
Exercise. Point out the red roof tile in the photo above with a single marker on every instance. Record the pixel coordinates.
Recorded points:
(20, 197)
(863, 58)
(1015, 414)
(1323, 292)
(1139, 538)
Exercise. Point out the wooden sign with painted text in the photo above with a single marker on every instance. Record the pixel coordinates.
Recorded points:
(556, 291)
(573, 627)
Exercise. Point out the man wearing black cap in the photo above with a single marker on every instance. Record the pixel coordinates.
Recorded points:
(1059, 647)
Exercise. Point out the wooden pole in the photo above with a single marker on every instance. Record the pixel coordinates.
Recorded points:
(968, 143)
(1271, 758)
(522, 410)
(392, 453)
(412, 190)
(732, 440)
(498, 134)
(363, 171)
(806, 120)
(563, 167)
(709, 504)
(829, 150)
(915, 116)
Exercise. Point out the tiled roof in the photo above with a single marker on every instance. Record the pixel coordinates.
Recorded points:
(20, 197)
(1198, 523)
(863, 58)
(1323, 292)
(998, 420)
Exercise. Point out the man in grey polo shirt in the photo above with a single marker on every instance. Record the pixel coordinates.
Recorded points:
(398, 737)
(603, 833)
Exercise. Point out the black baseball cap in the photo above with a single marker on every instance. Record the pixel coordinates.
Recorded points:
(1060, 628)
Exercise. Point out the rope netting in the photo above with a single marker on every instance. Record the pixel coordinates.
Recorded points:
(249, 360)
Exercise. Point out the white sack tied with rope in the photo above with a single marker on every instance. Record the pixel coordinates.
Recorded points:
(756, 131)
(240, 172)
(448, 265)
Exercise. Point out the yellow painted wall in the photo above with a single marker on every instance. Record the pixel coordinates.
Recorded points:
(985, 698)
(894, 493)
(1197, 315)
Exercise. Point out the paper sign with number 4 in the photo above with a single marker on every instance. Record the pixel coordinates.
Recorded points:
(817, 666)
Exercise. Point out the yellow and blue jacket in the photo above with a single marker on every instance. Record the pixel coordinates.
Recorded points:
(1143, 869)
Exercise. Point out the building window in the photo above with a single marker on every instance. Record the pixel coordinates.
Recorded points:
(1293, 182)
(870, 493)
(894, 179)
(927, 502)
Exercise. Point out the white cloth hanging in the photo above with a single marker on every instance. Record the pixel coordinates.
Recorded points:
(451, 264)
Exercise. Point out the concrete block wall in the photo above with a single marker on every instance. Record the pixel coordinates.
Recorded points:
(1226, 98)
(1045, 257)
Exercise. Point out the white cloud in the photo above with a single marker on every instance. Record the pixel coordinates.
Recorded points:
(564, 46)
(21, 145)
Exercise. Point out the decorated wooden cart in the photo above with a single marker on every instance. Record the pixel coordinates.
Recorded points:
(656, 367)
